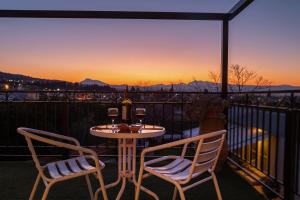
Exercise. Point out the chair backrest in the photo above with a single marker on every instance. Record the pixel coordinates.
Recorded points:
(208, 151)
(44, 137)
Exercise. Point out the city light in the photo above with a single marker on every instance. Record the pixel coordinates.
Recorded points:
(6, 87)
(259, 130)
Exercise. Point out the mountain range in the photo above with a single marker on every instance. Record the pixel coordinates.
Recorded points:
(18, 77)
(191, 86)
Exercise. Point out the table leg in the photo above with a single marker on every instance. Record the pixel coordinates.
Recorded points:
(122, 188)
(123, 170)
(129, 161)
(134, 159)
(127, 168)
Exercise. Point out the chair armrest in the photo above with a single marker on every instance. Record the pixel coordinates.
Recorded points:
(46, 133)
(81, 150)
(75, 147)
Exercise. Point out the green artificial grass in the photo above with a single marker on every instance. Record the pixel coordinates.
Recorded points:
(17, 178)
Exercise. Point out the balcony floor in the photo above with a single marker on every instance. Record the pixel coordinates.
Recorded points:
(17, 178)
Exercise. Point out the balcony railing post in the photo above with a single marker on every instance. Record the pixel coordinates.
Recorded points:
(290, 157)
(224, 53)
(6, 96)
(67, 119)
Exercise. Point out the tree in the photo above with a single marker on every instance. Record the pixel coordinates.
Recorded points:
(215, 78)
(261, 82)
(239, 77)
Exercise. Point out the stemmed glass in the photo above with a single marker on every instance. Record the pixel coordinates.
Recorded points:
(140, 115)
(113, 113)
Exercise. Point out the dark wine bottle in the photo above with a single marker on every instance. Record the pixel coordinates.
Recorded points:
(126, 108)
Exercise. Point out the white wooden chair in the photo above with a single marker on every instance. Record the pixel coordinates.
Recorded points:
(63, 170)
(181, 170)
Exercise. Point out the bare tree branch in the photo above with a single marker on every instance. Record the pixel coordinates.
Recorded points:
(240, 75)
(215, 78)
(261, 82)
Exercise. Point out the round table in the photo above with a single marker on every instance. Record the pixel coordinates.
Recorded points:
(127, 152)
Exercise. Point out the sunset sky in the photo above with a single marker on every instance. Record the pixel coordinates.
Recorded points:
(265, 38)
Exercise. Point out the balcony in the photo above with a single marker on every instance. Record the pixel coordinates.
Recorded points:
(262, 128)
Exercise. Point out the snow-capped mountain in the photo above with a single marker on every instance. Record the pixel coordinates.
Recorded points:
(193, 86)
(89, 82)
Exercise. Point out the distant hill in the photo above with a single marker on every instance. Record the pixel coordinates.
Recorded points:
(188, 87)
(185, 87)
(19, 77)
(16, 77)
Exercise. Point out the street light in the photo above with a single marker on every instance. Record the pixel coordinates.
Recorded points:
(6, 87)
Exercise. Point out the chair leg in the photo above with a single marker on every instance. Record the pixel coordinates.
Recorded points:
(96, 194)
(174, 193)
(102, 186)
(88, 182)
(37, 181)
(180, 190)
(139, 183)
(45, 194)
(217, 186)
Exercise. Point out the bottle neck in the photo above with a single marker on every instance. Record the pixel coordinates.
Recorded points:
(126, 93)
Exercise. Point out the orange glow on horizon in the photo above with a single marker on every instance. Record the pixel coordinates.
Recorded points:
(138, 77)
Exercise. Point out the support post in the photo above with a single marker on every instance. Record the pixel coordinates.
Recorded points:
(291, 149)
(224, 70)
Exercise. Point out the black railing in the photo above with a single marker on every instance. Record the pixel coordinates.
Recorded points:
(74, 112)
(263, 127)
(263, 138)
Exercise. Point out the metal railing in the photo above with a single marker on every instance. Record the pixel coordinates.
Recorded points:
(263, 127)
(263, 138)
(74, 112)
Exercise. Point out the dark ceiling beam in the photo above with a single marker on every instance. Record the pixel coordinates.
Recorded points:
(112, 15)
(238, 8)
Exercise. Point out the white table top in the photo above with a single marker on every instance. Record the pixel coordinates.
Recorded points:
(148, 131)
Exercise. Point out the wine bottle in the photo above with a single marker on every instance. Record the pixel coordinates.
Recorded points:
(126, 108)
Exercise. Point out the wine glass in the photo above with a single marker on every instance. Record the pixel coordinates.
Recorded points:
(115, 129)
(140, 115)
(113, 113)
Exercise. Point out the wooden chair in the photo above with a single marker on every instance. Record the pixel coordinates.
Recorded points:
(63, 170)
(181, 170)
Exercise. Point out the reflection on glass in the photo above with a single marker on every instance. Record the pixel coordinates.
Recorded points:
(113, 113)
(140, 115)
